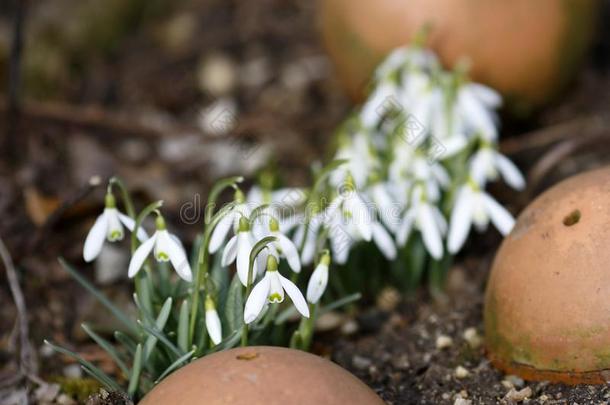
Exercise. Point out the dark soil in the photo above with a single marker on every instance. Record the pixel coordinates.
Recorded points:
(122, 102)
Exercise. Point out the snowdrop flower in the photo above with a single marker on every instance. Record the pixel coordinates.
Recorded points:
(212, 321)
(109, 225)
(238, 248)
(284, 246)
(473, 205)
(378, 103)
(360, 161)
(384, 241)
(270, 289)
(350, 205)
(487, 163)
(319, 280)
(387, 208)
(475, 108)
(306, 235)
(167, 247)
(231, 219)
(428, 219)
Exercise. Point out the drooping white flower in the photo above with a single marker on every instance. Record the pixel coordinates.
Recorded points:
(476, 109)
(361, 161)
(427, 219)
(384, 241)
(487, 163)
(475, 206)
(283, 246)
(318, 280)
(239, 248)
(270, 289)
(108, 226)
(350, 206)
(387, 208)
(212, 321)
(230, 220)
(306, 235)
(167, 247)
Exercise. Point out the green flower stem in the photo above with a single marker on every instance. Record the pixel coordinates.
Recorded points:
(124, 195)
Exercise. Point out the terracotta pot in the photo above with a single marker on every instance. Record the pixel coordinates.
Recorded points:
(547, 304)
(261, 375)
(525, 49)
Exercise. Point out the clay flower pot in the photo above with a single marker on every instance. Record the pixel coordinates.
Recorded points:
(261, 375)
(547, 304)
(525, 49)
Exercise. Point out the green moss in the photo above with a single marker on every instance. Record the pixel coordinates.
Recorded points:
(78, 388)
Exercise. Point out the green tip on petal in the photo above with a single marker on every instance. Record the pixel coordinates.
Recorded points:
(244, 225)
(239, 196)
(271, 263)
(110, 201)
(160, 223)
(325, 259)
(209, 303)
(274, 226)
(275, 298)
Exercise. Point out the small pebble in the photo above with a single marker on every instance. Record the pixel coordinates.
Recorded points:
(388, 299)
(350, 327)
(217, 75)
(472, 337)
(543, 398)
(461, 372)
(462, 401)
(361, 363)
(64, 399)
(517, 396)
(401, 362)
(46, 393)
(73, 371)
(443, 342)
(514, 381)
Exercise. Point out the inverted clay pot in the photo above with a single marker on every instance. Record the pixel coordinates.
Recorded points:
(526, 49)
(261, 375)
(547, 304)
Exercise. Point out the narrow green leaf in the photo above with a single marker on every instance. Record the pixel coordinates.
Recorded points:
(108, 347)
(136, 369)
(234, 305)
(326, 171)
(126, 341)
(175, 365)
(95, 371)
(183, 326)
(160, 322)
(229, 342)
(120, 315)
(162, 338)
(341, 302)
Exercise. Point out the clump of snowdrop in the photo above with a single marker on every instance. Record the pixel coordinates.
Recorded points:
(408, 180)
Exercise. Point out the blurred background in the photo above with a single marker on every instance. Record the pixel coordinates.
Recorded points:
(171, 96)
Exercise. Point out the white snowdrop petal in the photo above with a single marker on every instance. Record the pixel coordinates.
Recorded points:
(230, 252)
(114, 228)
(177, 256)
(95, 238)
(213, 326)
(489, 97)
(404, 229)
(243, 257)
(317, 283)
(276, 290)
(219, 234)
(500, 217)
(295, 295)
(257, 300)
(384, 241)
(361, 216)
(140, 255)
(461, 218)
(290, 252)
(130, 224)
(430, 232)
(510, 172)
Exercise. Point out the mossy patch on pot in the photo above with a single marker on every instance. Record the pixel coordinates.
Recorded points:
(547, 305)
